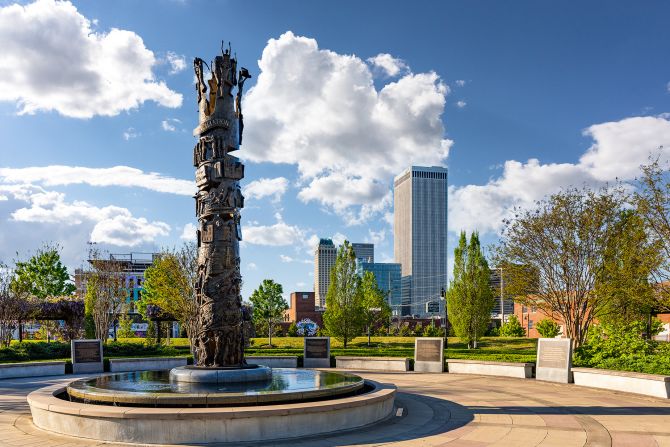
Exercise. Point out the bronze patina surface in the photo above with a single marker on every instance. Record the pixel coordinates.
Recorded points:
(220, 341)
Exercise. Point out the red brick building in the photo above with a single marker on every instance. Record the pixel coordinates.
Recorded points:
(529, 316)
(303, 305)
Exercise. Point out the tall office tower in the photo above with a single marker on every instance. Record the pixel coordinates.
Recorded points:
(324, 260)
(420, 236)
(364, 252)
(388, 280)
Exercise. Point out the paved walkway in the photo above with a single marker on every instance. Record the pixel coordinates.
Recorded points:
(441, 410)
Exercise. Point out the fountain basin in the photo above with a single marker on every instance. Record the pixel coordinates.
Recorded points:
(209, 425)
(194, 374)
(157, 388)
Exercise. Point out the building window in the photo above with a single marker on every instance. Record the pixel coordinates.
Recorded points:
(530, 324)
(305, 296)
(524, 309)
(533, 309)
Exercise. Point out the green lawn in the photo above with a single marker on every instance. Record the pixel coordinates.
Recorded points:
(491, 348)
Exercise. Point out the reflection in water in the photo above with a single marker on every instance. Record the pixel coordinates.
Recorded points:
(283, 380)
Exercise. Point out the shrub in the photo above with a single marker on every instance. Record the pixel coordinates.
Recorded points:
(418, 330)
(292, 330)
(548, 328)
(432, 331)
(405, 330)
(623, 347)
(512, 328)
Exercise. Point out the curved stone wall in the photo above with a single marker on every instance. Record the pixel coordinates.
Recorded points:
(208, 425)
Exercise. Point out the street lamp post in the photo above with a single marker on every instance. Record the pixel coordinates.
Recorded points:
(446, 319)
(502, 299)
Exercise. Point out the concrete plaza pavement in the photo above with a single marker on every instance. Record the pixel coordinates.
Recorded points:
(438, 410)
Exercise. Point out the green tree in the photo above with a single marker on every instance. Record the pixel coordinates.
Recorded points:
(512, 328)
(44, 274)
(269, 305)
(631, 256)
(376, 310)
(561, 247)
(125, 324)
(343, 317)
(470, 296)
(170, 284)
(292, 330)
(548, 328)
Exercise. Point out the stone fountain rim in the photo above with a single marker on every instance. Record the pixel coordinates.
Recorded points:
(45, 399)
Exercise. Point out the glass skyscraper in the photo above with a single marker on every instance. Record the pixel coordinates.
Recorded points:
(388, 280)
(420, 236)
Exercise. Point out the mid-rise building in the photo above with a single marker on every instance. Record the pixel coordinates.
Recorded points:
(301, 306)
(388, 280)
(364, 252)
(130, 268)
(324, 260)
(420, 236)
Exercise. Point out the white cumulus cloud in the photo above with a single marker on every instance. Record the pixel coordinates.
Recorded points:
(321, 111)
(177, 62)
(279, 234)
(390, 65)
(53, 60)
(618, 150)
(170, 124)
(188, 233)
(460, 104)
(266, 187)
(128, 231)
(110, 224)
(58, 175)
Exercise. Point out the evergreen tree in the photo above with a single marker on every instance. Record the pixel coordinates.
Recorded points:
(343, 317)
(470, 296)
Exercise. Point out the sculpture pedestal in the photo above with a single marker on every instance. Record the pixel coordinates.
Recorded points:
(195, 374)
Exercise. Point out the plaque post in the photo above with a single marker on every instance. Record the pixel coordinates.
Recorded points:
(86, 356)
(554, 360)
(316, 352)
(429, 354)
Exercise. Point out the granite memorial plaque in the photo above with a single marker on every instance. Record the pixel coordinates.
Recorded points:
(429, 354)
(316, 352)
(554, 360)
(86, 356)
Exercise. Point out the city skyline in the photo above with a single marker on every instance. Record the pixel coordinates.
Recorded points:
(500, 94)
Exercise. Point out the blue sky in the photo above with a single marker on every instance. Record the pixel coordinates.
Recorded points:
(518, 99)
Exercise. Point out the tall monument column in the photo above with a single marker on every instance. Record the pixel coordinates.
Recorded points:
(220, 340)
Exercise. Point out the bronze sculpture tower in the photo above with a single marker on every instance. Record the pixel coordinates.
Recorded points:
(220, 340)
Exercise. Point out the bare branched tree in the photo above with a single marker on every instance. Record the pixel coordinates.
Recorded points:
(15, 305)
(105, 293)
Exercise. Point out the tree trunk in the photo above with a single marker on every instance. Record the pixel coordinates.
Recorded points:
(269, 334)
(368, 335)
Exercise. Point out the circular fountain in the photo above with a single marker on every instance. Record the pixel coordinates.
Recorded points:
(220, 398)
(158, 389)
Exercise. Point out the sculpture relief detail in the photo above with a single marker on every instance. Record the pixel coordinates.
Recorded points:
(219, 199)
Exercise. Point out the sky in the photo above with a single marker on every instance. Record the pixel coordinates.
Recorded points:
(518, 99)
